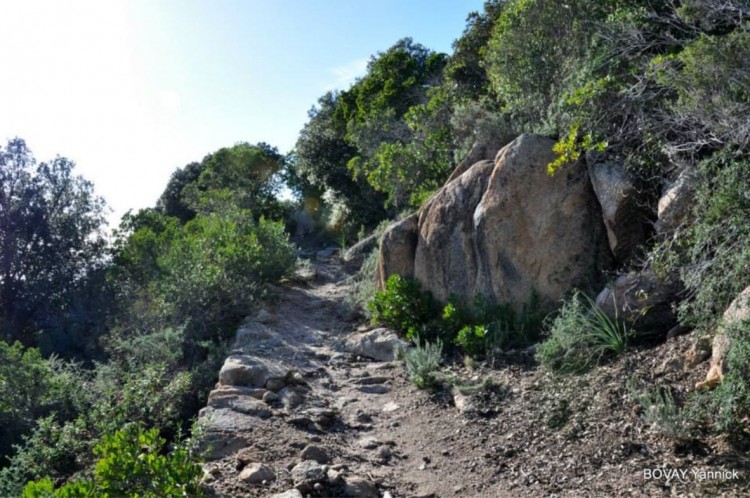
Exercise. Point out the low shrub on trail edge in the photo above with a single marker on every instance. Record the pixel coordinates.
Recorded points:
(580, 336)
(131, 463)
(479, 331)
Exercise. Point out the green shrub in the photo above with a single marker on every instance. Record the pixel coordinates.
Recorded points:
(712, 253)
(32, 387)
(660, 410)
(486, 328)
(131, 462)
(402, 306)
(727, 408)
(580, 336)
(422, 362)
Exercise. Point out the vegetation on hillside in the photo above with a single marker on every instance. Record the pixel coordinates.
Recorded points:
(96, 337)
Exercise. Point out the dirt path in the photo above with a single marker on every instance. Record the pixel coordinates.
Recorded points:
(297, 415)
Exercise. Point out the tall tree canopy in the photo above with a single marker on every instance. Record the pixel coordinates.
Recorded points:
(50, 240)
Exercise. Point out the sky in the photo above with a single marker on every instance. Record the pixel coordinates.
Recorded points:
(131, 90)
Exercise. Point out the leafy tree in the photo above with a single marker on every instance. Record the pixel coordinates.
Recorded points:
(322, 153)
(465, 71)
(172, 201)
(50, 240)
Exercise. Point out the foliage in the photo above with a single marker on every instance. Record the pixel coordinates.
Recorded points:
(172, 201)
(727, 408)
(243, 176)
(711, 251)
(50, 239)
(536, 45)
(146, 386)
(660, 410)
(322, 153)
(580, 336)
(484, 329)
(131, 462)
(422, 361)
(32, 387)
(402, 306)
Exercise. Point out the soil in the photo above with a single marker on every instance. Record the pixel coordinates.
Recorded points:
(509, 429)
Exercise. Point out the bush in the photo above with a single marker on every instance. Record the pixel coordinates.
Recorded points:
(484, 329)
(32, 387)
(402, 306)
(131, 462)
(712, 253)
(727, 408)
(580, 336)
(660, 410)
(422, 361)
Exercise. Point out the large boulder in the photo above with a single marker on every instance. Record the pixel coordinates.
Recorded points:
(537, 233)
(621, 212)
(509, 230)
(447, 260)
(506, 230)
(737, 312)
(397, 250)
(642, 300)
(480, 151)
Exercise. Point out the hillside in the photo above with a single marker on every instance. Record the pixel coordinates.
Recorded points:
(551, 223)
(500, 429)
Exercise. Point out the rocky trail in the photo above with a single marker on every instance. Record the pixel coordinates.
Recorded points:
(310, 403)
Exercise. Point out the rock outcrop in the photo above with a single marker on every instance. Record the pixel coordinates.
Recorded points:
(737, 312)
(505, 230)
(621, 212)
(675, 202)
(642, 300)
(397, 250)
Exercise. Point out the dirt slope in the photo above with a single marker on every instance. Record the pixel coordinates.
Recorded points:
(521, 433)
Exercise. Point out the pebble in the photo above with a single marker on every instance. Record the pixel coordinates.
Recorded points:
(376, 389)
(256, 473)
(316, 453)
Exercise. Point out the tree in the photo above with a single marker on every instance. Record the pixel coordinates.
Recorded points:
(172, 201)
(50, 239)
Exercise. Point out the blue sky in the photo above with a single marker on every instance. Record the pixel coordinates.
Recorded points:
(131, 90)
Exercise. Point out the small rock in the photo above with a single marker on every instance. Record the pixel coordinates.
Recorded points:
(390, 407)
(249, 406)
(305, 474)
(463, 403)
(265, 317)
(292, 493)
(291, 398)
(244, 370)
(270, 397)
(335, 477)
(387, 494)
(315, 453)
(257, 473)
(379, 344)
(360, 488)
(368, 443)
(376, 389)
(367, 380)
(699, 352)
(275, 384)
